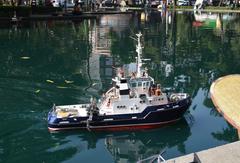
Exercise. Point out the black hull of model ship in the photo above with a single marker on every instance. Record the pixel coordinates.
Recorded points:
(151, 117)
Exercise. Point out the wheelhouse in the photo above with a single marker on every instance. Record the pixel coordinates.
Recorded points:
(143, 83)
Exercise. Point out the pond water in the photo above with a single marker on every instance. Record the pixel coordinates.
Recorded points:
(65, 62)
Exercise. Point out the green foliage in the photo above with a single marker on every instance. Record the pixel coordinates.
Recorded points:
(25, 11)
(45, 9)
(40, 3)
(151, 51)
(119, 48)
(8, 11)
(171, 6)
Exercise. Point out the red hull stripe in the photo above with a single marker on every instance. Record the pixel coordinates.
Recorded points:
(119, 127)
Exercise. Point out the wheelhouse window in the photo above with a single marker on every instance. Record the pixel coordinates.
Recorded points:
(144, 84)
(148, 84)
(139, 84)
(133, 85)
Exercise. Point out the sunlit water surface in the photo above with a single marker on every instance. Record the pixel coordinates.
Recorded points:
(66, 62)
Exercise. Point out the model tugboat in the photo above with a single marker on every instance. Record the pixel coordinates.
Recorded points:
(134, 102)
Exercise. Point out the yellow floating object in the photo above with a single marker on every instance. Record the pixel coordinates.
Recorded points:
(69, 81)
(49, 81)
(25, 57)
(61, 87)
(37, 91)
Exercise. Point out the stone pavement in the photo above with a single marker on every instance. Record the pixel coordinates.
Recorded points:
(229, 153)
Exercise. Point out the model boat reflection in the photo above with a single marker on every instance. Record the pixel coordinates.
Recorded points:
(136, 146)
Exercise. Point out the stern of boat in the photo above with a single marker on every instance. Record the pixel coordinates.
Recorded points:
(51, 117)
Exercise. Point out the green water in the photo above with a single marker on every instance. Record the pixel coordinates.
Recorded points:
(66, 62)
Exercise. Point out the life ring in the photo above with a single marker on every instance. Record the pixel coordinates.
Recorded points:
(132, 94)
(174, 98)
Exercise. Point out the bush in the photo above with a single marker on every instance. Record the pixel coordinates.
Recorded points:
(26, 11)
(45, 9)
(8, 11)
(23, 11)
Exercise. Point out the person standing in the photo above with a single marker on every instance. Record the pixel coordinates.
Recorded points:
(65, 6)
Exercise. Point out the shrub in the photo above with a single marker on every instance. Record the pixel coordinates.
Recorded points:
(26, 11)
(45, 9)
(8, 11)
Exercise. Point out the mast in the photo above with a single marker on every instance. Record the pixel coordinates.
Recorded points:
(139, 48)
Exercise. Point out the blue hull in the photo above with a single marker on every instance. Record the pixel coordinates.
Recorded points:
(152, 116)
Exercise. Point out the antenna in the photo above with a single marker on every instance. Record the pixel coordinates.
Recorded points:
(139, 59)
(139, 52)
